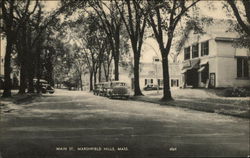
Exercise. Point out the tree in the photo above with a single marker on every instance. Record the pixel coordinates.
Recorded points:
(135, 22)
(92, 40)
(11, 28)
(245, 24)
(241, 11)
(163, 19)
(112, 25)
(22, 20)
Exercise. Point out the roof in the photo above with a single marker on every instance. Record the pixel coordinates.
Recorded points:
(225, 39)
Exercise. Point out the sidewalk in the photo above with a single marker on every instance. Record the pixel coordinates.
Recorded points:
(201, 100)
(9, 104)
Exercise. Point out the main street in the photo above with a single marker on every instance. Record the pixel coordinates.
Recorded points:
(79, 125)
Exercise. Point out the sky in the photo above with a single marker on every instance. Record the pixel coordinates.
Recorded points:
(151, 49)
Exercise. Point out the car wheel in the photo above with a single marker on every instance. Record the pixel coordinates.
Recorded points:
(43, 90)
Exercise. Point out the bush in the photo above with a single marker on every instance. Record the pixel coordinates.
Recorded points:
(236, 92)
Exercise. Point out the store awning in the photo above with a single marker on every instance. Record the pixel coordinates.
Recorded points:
(183, 71)
(194, 64)
(201, 69)
(204, 62)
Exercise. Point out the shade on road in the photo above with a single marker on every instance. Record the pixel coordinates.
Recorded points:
(78, 125)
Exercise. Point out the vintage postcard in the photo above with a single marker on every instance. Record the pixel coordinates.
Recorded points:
(124, 78)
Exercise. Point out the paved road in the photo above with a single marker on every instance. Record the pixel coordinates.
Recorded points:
(80, 125)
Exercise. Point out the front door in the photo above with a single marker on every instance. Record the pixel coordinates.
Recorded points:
(212, 80)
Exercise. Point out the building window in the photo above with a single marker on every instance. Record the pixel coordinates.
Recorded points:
(149, 81)
(204, 48)
(195, 51)
(187, 53)
(156, 60)
(160, 82)
(242, 67)
(174, 83)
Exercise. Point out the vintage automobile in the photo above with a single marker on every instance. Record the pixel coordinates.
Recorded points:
(104, 86)
(97, 89)
(47, 88)
(43, 86)
(117, 89)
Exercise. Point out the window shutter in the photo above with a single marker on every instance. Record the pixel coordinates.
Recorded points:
(245, 68)
(202, 49)
(146, 81)
(207, 52)
(239, 67)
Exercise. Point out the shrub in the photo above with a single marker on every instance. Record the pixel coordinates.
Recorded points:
(236, 92)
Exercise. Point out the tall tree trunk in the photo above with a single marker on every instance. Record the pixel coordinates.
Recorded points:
(95, 77)
(137, 90)
(100, 72)
(91, 81)
(164, 52)
(105, 72)
(166, 90)
(117, 54)
(30, 81)
(7, 67)
(116, 62)
(38, 70)
(23, 81)
(22, 55)
(80, 78)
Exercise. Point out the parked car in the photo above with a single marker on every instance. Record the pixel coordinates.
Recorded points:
(43, 86)
(47, 88)
(97, 89)
(151, 87)
(118, 89)
(104, 88)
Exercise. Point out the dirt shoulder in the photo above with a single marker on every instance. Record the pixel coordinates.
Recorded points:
(202, 101)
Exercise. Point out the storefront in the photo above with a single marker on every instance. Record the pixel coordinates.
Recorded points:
(204, 73)
(190, 73)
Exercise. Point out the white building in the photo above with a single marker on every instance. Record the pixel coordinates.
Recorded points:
(210, 60)
(151, 74)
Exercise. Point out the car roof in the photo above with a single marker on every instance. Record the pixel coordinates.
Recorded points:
(41, 80)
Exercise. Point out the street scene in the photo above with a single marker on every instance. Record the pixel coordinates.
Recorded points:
(63, 124)
(124, 78)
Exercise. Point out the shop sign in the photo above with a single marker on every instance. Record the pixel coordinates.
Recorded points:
(186, 64)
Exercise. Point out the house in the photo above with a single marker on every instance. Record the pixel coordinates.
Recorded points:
(211, 60)
(151, 74)
(15, 75)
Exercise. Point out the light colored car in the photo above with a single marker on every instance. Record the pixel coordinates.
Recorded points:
(102, 88)
(44, 86)
(97, 89)
(118, 89)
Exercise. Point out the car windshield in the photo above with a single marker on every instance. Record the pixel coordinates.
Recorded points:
(105, 85)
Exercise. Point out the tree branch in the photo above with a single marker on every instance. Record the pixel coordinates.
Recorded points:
(238, 17)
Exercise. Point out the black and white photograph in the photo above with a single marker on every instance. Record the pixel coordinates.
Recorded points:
(124, 78)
